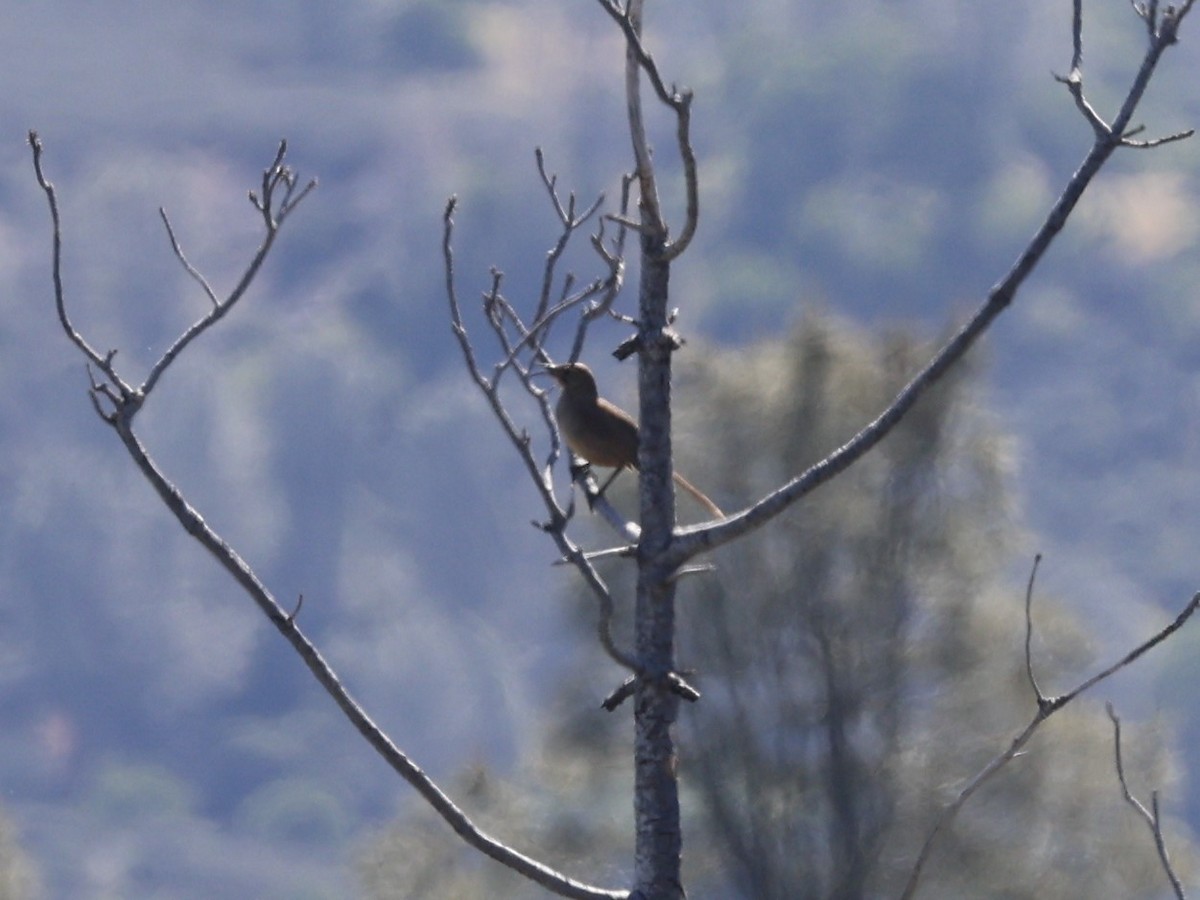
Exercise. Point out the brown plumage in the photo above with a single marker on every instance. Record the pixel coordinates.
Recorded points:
(600, 432)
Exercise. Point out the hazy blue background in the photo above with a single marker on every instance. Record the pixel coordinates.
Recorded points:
(886, 160)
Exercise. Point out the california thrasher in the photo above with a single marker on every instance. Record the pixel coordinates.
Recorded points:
(601, 433)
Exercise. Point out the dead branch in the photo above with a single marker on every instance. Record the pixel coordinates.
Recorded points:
(1108, 138)
(680, 102)
(1046, 707)
(541, 476)
(277, 198)
(1150, 816)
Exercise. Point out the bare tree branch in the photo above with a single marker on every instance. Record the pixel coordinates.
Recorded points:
(1046, 707)
(630, 20)
(662, 549)
(680, 102)
(1150, 816)
(570, 222)
(277, 200)
(541, 476)
(530, 339)
(697, 539)
(103, 363)
(1037, 691)
(183, 260)
(1163, 32)
(285, 623)
(613, 257)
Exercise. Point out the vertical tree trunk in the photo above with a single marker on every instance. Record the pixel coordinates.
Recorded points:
(656, 800)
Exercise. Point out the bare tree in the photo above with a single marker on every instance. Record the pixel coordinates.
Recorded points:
(857, 660)
(663, 551)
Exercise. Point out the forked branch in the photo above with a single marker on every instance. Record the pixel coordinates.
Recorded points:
(679, 101)
(275, 201)
(1046, 707)
(1108, 138)
(278, 197)
(1150, 816)
(540, 474)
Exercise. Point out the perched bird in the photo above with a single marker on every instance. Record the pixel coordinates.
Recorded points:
(600, 432)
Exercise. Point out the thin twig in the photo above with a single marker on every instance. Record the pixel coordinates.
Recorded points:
(1046, 707)
(534, 336)
(691, 177)
(556, 526)
(614, 260)
(1151, 817)
(103, 363)
(1037, 691)
(625, 551)
(276, 202)
(570, 223)
(1077, 36)
(1132, 655)
(1159, 141)
(183, 260)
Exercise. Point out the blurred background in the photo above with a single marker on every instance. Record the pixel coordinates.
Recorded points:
(866, 175)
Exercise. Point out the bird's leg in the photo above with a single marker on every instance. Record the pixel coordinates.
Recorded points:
(610, 480)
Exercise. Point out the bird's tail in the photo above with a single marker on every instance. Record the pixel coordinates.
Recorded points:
(699, 495)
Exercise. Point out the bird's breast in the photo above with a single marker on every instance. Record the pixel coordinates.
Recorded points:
(601, 436)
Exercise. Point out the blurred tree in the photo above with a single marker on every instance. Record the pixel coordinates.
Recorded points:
(858, 661)
(559, 803)
(865, 655)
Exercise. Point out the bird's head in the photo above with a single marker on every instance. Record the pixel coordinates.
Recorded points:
(576, 379)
